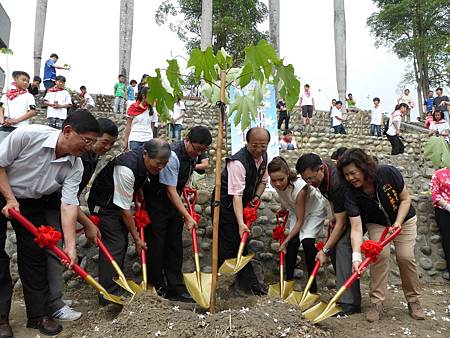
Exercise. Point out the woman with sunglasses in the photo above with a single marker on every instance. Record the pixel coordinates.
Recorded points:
(378, 198)
(307, 213)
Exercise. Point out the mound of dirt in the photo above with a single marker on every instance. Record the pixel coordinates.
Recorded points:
(148, 316)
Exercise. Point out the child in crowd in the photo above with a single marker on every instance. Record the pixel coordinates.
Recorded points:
(131, 93)
(377, 119)
(351, 103)
(286, 142)
(407, 99)
(57, 101)
(393, 132)
(333, 104)
(337, 117)
(17, 105)
(119, 95)
(439, 127)
(33, 88)
(428, 120)
(87, 102)
(307, 104)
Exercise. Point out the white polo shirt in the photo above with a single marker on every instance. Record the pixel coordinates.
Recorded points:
(17, 107)
(61, 97)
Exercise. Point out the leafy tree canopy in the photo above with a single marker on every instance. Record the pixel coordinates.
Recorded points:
(234, 23)
(417, 31)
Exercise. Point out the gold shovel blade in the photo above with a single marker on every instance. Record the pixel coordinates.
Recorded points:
(294, 298)
(276, 291)
(232, 265)
(315, 311)
(308, 301)
(113, 298)
(329, 312)
(128, 284)
(199, 290)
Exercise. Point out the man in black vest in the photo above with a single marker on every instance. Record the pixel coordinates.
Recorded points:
(167, 214)
(111, 197)
(244, 179)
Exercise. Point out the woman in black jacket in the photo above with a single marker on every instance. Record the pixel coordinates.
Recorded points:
(378, 198)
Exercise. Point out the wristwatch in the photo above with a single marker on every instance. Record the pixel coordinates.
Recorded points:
(326, 251)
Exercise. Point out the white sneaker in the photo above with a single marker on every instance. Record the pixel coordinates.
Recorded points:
(68, 302)
(66, 314)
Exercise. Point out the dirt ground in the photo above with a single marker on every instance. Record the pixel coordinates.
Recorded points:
(147, 316)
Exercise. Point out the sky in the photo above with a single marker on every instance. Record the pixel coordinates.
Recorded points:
(85, 35)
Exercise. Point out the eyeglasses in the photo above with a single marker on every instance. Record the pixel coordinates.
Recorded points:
(311, 178)
(199, 148)
(87, 140)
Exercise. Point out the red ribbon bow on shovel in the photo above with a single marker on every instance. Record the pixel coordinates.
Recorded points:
(278, 231)
(95, 219)
(47, 236)
(141, 216)
(250, 212)
(320, 245)
(371, 249)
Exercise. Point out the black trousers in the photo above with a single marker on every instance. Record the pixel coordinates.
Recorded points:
(229, 240)
(310, 257)
(165, 250)
(115, 237)
(443, 222)
(397, 145)
(31, 261)
(283, 116)
(5, 276)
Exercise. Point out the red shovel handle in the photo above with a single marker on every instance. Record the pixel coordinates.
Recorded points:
(316, 269)
(105, 250)
(368, 260)
(56, 250)
(194, 240)
(143, 253)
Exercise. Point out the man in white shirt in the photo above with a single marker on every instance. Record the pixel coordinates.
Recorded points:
(176, 118)
(57, 101)
(88, 102)
(35, 162)
(307, 104)
(336, 115)
(17, 105)
(377, 119)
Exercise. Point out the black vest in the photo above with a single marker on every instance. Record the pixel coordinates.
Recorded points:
(102, 191)
(253, 177)
(155, 192)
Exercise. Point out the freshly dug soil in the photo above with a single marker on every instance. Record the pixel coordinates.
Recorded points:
(148, 316)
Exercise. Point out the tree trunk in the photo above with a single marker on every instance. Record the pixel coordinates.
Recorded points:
(206, 33)
(39, 29)
(125, 36)
(340, 49)
(274, 24)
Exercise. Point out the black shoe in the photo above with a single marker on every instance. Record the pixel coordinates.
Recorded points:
(349, 309)
(183, 297)
(45, 325)
(259, 290)
(5, 328)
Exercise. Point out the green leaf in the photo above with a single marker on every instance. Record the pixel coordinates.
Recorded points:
(246, 75)
(245, 108)
(158, 92)
(174, 78)
(437, 150)
(260, 59)
(6, 51)
(288, 84)
(203, 63)
(224, 59)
